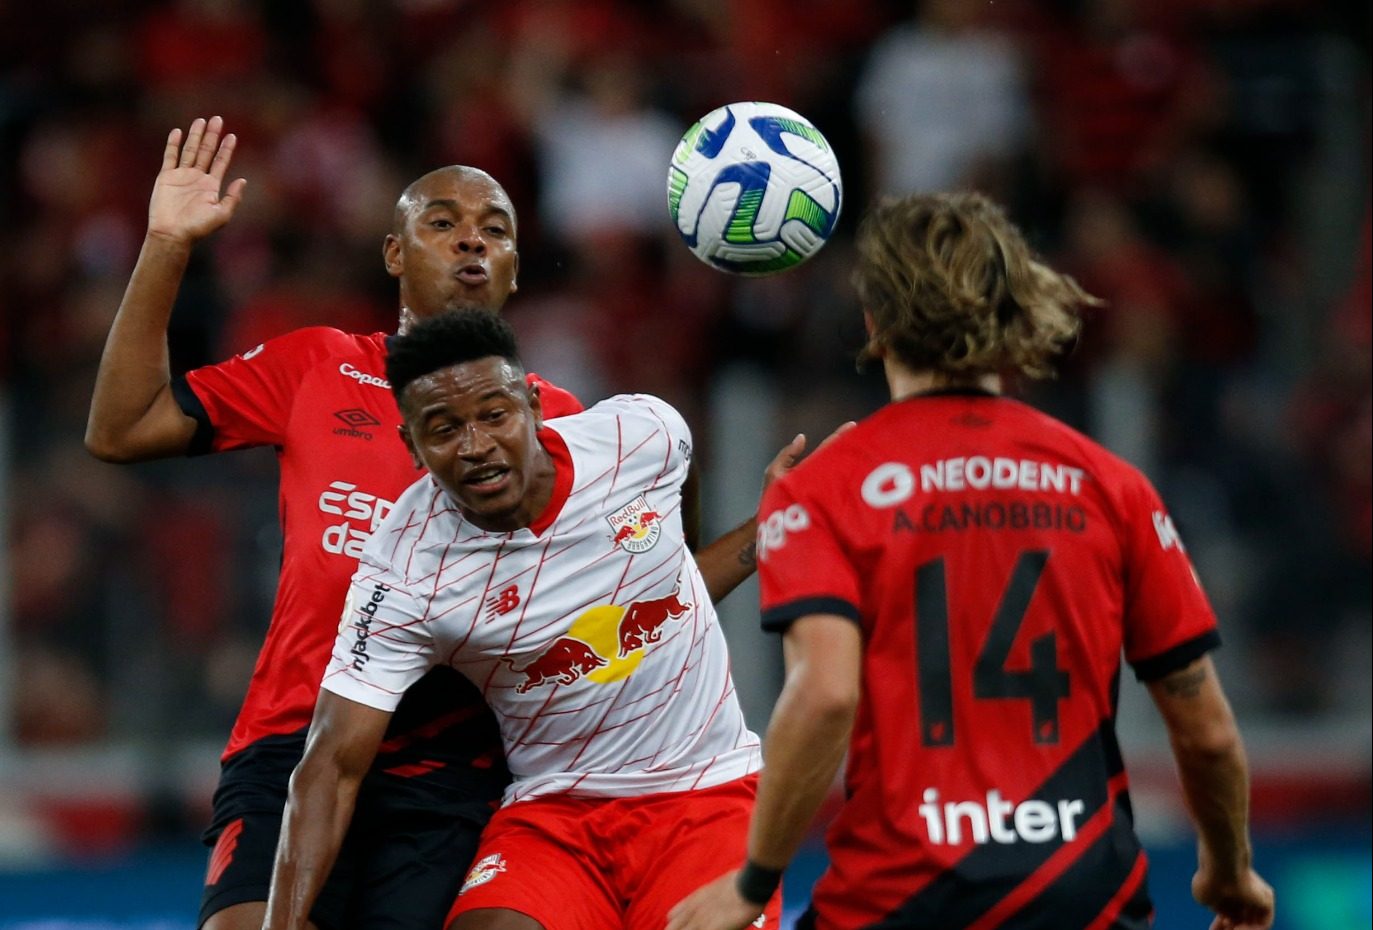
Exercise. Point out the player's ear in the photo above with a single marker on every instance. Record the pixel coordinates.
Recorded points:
(391, 255)
(535, 403)
(409, 444)
(873, 348)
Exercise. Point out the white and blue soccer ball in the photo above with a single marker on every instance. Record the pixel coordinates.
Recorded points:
(754, 188)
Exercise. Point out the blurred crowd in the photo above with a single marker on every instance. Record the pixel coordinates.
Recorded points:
(1201, 165)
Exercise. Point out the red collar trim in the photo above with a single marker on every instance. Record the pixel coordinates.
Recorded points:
(563, 474)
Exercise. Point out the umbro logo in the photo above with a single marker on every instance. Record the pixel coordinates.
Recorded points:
(354, 420)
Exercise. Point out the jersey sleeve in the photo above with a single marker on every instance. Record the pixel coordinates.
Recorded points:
(1169, 622)
(802, 566)
(246, 400)
(555, 401)
(383, 645)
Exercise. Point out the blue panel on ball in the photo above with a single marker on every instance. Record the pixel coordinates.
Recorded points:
(713, 140)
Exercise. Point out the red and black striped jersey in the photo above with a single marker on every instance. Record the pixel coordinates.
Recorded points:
(999, 564)
(320, 397)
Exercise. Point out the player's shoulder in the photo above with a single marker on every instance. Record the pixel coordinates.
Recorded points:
(644, 408)
(311, 344)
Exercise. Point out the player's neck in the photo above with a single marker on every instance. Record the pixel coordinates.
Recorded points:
(905, 382)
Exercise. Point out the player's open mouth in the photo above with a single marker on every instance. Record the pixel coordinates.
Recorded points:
(472, 274)
(487, 478)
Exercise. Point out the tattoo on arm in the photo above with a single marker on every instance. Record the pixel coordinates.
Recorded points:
(1186, 683)
(749, 554)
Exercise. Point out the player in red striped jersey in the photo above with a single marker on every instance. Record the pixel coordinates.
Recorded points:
(319, 396)
(956, 579)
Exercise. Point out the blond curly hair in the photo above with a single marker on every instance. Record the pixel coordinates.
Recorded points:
(952, 286)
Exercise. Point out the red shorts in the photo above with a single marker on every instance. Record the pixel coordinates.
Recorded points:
(608, 863)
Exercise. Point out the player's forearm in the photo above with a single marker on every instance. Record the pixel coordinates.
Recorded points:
(725, 563)
(1215, 783)
(804, 747)
(134, 368)
(317, 814)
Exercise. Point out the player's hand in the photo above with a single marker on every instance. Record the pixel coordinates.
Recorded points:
(791, 453)
(1246, 904)
(186, 205)
(716, 906)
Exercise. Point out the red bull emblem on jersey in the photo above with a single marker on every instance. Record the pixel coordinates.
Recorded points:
(636, 526)
(604, 644)
(562, 663)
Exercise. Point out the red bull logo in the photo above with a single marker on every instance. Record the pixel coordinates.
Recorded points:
(563, 663)
(604, 644)
(643, 621)
(636, 526)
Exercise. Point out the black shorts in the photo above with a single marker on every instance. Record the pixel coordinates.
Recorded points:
(402, 862)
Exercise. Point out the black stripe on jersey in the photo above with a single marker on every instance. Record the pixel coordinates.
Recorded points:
(190, 405)
(1180, 656)
(779, 618)
(991, 871)
(1078, 896)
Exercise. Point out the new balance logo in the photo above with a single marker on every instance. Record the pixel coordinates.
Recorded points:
(504, 602)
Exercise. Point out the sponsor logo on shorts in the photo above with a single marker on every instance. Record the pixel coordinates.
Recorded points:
(254, 352)
(636, 525)
(224, 852)
(483, 871)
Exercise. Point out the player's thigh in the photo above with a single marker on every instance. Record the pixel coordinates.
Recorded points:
(248, 916)
(705, 836)
(495, 919)
(537, 863)
(239, 877)
(405, 869)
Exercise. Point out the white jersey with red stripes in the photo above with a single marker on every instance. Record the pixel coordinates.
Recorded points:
(590, 632)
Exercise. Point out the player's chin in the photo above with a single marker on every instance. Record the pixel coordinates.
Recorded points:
(475, 299)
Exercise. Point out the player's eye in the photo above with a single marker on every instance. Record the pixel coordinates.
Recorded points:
(441, 224)
(497, 231)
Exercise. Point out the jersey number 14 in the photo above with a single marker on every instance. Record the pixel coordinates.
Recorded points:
(1042, 684)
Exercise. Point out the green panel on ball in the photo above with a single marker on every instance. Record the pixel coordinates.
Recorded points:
(688, 144)
(803, 130)
(740, 228)
(802, 206)
(788, 259)
(676, 184)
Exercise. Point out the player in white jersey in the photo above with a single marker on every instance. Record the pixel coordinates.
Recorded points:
(546, 562)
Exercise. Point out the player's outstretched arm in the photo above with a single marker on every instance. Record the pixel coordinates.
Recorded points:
(804, 746)
(339, 749)
(726, 562)
(1215, 781)
(133, 413)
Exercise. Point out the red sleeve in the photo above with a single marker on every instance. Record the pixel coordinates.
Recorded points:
(246, 400)
(556, 402)
(802, 566)
(1169, 622)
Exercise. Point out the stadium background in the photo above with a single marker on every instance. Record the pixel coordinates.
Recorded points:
(1201, 164)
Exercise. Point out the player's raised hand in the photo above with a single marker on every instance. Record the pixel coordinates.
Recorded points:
(791, 453)
(717, 906)
(1243, 905)
(187, 204)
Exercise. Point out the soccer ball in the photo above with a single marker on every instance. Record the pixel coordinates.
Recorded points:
(754, 188)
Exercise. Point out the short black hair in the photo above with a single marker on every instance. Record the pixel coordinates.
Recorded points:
(446, 340)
